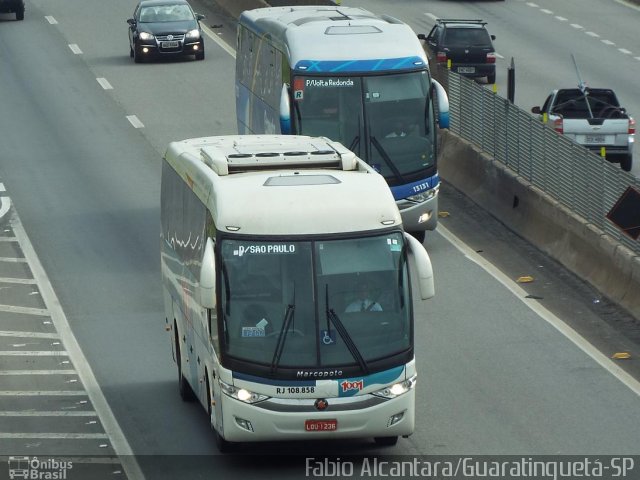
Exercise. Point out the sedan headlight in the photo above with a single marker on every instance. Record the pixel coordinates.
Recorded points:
(145, 36)
(397, 389)
(424, 196)
(193, 34)
(241, 394)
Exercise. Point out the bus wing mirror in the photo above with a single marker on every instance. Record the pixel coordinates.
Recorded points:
(443, 104)
(423, 267)
(207, 287)
(285, 110)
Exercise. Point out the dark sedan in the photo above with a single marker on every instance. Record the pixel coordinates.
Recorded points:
(162, 28)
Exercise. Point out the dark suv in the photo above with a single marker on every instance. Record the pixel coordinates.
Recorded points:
(466, 43)
(13, 6)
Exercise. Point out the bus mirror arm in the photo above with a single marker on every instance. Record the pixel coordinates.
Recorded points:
(207, 286)
(443, 104)
(285, 110)
(423, 267)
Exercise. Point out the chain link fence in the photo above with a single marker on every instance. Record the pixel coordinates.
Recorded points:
(580, 180)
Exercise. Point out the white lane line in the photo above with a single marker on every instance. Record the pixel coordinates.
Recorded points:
(22, 281)
(37, 372)
(33, 353)
(542, 312)
(135, 121)
(5, 206)
(75, 49)
(13, 260)
(431, 16)
(607, 42)
(55, 436)
(592, 34)
(576, 26)
(43, 393)
(2, 189)
(26, 310)
(561, 19)
(26, 413)
(637, 58)
(13, 333)
(548, 12)
(8, 239)
(224, 45)
(51, 20)
(104, 83)
(531, 4)
(109, 422)
(498, 55)
(625, 51)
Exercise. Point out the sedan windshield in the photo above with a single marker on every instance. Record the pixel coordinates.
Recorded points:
(315, 304)
(165, 13)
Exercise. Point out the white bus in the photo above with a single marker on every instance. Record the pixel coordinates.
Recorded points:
(358, 78)
(267, 242)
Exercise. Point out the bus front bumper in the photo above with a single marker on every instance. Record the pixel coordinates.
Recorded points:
(279, 419)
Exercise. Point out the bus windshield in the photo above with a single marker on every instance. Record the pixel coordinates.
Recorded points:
(386, 120)
(314, 304)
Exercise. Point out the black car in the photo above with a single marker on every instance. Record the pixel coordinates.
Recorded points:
(13, 6)
(466, 43)
(162, 28)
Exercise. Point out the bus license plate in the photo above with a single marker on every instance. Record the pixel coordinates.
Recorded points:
(466, 69)
(321, 425)
(170, 44)
(594, 138)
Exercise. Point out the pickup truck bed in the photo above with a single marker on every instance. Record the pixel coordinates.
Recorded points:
(593, 118)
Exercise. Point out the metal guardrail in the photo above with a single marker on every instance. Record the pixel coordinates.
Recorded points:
(577, 178)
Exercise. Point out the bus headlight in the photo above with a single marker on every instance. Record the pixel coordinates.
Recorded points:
(397, 389)
(241, 394)
(424, 196)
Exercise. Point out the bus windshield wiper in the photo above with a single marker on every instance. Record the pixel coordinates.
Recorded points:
(387, 160)
(284, 330)
(332, 317)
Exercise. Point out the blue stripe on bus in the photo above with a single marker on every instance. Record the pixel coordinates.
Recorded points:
(372, 65)
(401, 192)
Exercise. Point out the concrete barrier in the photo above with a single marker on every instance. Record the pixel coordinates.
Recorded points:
(581, 247)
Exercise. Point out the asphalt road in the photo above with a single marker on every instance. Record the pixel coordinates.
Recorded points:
(497, 376)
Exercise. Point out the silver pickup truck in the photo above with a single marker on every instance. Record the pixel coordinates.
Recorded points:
(594, 118)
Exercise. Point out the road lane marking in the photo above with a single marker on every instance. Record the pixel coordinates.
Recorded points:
(26, 310)
(224, 45)
(92, 388)
(578, 340)
(561, 19)
(576, 26)
(33, 353)
(13, 260)
(592, 34)
(55, 436)
(545, 11)
(625, 51)
(431, 16)
(135, 121)
(104, 83)
(75, 48)
(23, 281)
(30, 413)
(607, 42)
(6, 333)
(43, 393)
(38, 372)
(51, 20)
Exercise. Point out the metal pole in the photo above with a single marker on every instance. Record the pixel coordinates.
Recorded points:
(511, 82)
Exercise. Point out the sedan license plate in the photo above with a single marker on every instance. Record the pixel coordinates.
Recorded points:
(594, 138)
(170, 44)
(321, 425)
(466, 69)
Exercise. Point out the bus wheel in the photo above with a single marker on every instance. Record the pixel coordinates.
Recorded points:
(186, 392)
(386, 441)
